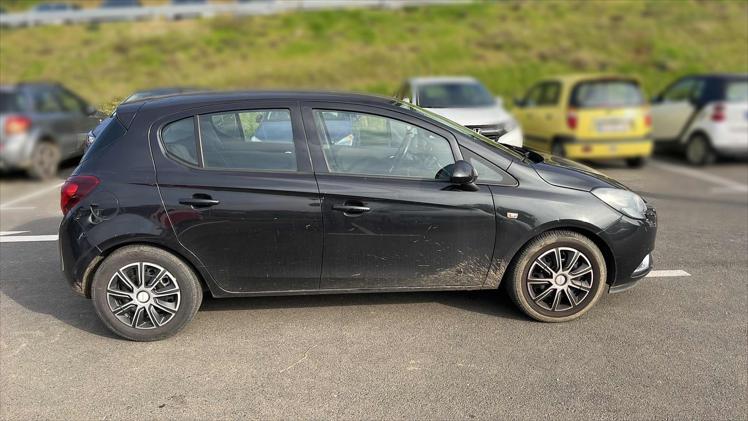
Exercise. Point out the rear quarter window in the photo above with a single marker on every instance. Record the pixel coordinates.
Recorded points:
(737, 91)
(606, 94)
(11, 102)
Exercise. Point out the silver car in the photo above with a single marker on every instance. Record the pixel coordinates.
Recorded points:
(42, 124)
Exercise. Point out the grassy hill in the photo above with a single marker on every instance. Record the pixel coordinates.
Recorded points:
(508, 45)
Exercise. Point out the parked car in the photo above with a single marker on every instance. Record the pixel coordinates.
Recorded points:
(54, 7)
(466, 101)
(137, 96)
(42, 124)
(703, 115)
(176, 199)
(120, 3)
(587, 117)
(191, 12)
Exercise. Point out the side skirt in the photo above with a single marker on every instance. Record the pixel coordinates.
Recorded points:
(351, 291)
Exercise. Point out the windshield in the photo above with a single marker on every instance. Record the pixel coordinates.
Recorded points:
(737, 91)
(607, 93)
(462, 129)
(454, 95)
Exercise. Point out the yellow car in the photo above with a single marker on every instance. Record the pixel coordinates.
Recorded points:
(587, 117)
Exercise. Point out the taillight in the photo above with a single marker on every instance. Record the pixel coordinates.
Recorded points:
(648, 120)
(17, 124)
(571, 119)
(718, 113)
(75, 189)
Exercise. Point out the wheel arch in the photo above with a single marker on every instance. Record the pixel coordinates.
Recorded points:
(605, 249)
(110, 248)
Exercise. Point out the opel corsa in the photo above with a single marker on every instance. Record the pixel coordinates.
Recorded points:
(273, 193)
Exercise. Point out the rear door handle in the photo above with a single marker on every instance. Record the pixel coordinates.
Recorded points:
(199, 202)
(351, 209)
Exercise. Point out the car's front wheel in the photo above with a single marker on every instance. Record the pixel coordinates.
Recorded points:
(558, 276)
(145, 293)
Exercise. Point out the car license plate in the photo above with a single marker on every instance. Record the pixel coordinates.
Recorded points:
(613, 125)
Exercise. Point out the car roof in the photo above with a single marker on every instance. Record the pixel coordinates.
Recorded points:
(196, 99)
(578, 77)
(184, 101)
(718, 75)
(425, 80)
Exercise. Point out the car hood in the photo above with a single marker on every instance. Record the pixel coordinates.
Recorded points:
(478, 116)
(562, 172)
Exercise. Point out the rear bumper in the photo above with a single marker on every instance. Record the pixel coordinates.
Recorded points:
(15, 152)
(76, 254)
(607, 149)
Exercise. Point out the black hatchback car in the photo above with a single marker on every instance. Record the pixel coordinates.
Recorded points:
(271, 193)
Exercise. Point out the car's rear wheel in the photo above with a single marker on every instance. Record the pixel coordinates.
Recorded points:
(558, 276)
(144, 293)
(45, 159)
(699, 150)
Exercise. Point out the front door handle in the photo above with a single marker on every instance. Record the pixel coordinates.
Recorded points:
(199, 201)
(348, 209)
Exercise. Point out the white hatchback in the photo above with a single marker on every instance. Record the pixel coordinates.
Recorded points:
(466, 101)
(705, 115)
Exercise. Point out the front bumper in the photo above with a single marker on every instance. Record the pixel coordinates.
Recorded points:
(631, 241)
(608, 149)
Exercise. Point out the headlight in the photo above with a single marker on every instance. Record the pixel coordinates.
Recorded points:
(624, 201)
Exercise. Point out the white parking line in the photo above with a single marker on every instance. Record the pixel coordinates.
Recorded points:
(18, 208)
(27, 238)
(29, 196)
(667, 273)
(722, 182)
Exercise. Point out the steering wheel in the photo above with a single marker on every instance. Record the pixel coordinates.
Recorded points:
(403, 150)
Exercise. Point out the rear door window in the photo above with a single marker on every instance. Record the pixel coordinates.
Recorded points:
(248, 140)
(45, 101)
(606, 94)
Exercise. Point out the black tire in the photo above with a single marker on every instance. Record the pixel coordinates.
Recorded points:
(45, 160)
(699, 150)
(557, 148)
(184, 279)
(519, 289)
(636, 162)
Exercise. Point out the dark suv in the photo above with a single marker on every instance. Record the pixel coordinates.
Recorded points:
(40, 125)
(183, 195)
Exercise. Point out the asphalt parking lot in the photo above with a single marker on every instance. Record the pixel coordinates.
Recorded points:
(673, 347)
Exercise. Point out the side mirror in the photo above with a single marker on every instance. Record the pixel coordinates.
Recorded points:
(655, 99)
(519, 102)
(464, 175)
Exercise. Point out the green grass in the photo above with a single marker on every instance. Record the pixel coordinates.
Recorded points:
(508, 45)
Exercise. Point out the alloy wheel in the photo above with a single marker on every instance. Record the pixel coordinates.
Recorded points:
(560, 279)
(143, 295)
